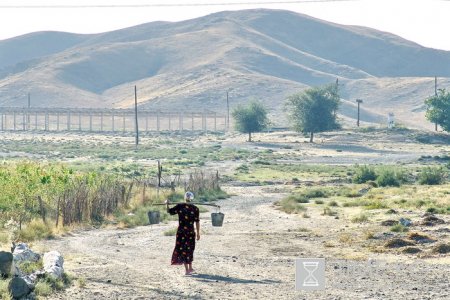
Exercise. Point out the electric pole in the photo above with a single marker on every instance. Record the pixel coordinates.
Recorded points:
(359, 101)
(435, 94)
(136, 116)
(228, 113)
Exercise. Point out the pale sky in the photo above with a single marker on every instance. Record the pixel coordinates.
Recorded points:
(425, 22)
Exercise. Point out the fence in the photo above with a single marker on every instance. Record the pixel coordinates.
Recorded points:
(108, 120)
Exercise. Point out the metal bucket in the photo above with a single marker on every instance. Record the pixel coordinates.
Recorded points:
(217, 219)
(153, 217)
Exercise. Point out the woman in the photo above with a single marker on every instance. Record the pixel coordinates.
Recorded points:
(185, 242)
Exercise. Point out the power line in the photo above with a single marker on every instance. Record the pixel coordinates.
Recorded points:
(171, 4)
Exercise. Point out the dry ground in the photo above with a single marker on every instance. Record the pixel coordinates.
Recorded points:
(251, 257)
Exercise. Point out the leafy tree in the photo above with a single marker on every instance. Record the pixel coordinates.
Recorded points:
(438, 109)
(250, 118)
(314, 110)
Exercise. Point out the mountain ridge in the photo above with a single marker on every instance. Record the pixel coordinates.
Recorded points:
(263, 54)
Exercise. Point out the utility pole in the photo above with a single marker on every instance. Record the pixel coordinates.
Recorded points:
(228, 113)
(435, 94)
(136, 116)
(359, 101)
(28, 112)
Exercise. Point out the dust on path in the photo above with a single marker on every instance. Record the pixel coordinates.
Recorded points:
(251, 257)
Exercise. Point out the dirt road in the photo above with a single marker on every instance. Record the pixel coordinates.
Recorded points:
(251, 257)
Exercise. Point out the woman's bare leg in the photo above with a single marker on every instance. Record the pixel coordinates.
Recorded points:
(186, 266)
(190, 268)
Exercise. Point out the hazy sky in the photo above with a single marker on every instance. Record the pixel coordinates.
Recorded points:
(426, 22)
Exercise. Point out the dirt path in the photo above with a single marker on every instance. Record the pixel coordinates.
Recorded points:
(250, 257)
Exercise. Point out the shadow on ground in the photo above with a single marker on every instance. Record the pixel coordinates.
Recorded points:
(217, 278)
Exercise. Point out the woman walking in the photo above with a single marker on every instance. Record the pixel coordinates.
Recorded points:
(188, 214)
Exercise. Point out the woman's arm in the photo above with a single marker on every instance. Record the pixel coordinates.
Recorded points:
(197, 227)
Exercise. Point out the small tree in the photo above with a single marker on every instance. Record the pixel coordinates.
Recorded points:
(314, 110)
(438, 109)
(250, 118)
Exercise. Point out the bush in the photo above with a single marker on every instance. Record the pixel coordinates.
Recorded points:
(316, 193)
(389, 177)
(35, 230)
(362, 218)
(399, 228)
(432, 176)
(364, 174)
(43, 288)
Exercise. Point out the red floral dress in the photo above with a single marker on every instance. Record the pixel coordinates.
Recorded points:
(185, 244)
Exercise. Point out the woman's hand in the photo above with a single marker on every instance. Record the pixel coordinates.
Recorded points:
(166, 201)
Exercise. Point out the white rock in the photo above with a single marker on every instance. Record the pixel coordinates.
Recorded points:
(23, 253)
(53, 264)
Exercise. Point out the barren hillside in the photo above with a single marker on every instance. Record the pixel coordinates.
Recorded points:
(262, 54)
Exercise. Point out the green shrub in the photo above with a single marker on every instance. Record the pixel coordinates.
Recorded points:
(399, 228)
(298, 198)
(364, 174)
(361, 218)
(4, 293)
(333, 203)
(389, 177)
(35, 230)
(432, 176)
(316, 193)
(43, 288)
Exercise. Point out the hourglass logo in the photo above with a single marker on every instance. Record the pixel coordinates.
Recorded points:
(310, 274)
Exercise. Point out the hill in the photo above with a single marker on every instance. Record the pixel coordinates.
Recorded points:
(262, 54)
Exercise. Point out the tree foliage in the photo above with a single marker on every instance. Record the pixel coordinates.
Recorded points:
(250, 118)
(438, 109)
(314, 110)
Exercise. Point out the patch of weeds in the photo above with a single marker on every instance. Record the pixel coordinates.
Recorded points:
(290, 206)
(318, 201)
(29, 267)
(298, 198)
(43, 288)
(391, 211)
(4, 238)
(36, 230)
(369, 235)
(399, 228)
(243, 168)
(411, 250)
(390, 177)
(432, 176)
(441, 249)
(81, 282)
(333, 203)
(306, 216)
(361, 218)
(329, 212)
(316, 193)
(364, 174)
(345, 238)
(4, 292)
(171, 232)
(398, 243)
(376, 205)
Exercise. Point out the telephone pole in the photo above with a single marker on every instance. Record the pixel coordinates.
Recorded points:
(359, 101)
(136, 116)
(435, 94)
(228, 113)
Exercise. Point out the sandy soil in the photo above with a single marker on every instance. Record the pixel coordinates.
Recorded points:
(251, 257)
